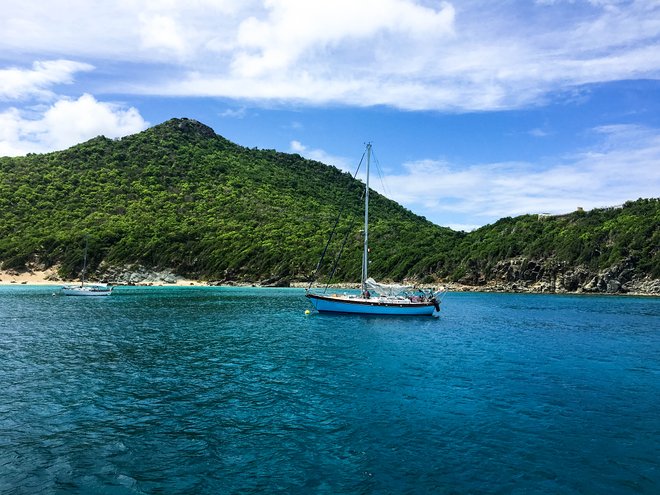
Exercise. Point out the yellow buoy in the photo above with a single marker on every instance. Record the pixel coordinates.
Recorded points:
(307, 311)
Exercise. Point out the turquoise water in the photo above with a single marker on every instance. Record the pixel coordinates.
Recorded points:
(228, 390)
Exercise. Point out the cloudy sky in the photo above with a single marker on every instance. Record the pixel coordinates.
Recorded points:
(476, 109)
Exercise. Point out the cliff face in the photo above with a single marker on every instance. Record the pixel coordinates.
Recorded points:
(550, 276)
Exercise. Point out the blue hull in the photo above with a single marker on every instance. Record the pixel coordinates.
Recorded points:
(327, 304)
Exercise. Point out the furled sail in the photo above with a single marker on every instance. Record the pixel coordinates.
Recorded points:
(386, 289)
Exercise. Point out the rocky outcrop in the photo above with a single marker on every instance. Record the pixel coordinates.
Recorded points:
(276, 282)
(192, 126)
(552, 276)
(136, 275)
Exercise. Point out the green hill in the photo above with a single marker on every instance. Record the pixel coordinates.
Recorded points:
(601, 250)
(179, 197)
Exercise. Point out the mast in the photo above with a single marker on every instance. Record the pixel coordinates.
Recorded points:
(365, 255)
(82, 283)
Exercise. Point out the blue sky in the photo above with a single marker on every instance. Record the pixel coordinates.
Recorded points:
(477, 110)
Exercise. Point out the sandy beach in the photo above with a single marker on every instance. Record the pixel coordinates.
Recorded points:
(49, 277)
(11, 277)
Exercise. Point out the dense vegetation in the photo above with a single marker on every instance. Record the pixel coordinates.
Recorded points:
(596, 239)
(178, 196)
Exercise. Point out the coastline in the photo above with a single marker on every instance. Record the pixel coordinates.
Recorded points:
(49, 278)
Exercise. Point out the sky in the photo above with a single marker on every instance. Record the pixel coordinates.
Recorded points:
(476, 110)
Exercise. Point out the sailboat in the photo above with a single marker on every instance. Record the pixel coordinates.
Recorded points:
(376, 298)
(86, 289)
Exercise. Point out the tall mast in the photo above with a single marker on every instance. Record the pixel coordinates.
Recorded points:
(365, 255)
(82, 283)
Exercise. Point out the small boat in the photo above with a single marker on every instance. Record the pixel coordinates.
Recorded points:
(376, 298)
(86, 289)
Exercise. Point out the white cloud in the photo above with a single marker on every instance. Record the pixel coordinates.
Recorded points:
(320, 156)
(129, 31)
(18, 83)
(234, 113)
(296, 31)
(539, 133)
(162, 33)
(411, 54)
(48, 121)
(65, 123)
(624, 166)
(468, 57)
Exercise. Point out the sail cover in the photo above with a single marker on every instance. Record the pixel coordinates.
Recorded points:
(386, 289)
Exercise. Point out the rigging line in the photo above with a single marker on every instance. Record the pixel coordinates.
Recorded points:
(341, 251)
(386, 191)
(334, 229)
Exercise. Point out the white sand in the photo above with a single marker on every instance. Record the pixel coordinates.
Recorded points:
(49, 277)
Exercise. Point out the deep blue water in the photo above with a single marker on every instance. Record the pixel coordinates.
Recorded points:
(228, 390)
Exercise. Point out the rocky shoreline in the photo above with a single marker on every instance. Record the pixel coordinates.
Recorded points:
(642, 288)
(556, 277)
(516, 275)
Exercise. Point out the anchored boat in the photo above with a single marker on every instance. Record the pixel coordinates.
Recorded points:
(375, 298)
(86, 289)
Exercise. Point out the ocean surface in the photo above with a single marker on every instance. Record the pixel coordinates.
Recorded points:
(236, 390)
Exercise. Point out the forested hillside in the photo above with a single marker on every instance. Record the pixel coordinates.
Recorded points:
(179, 197)
(603, 250)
